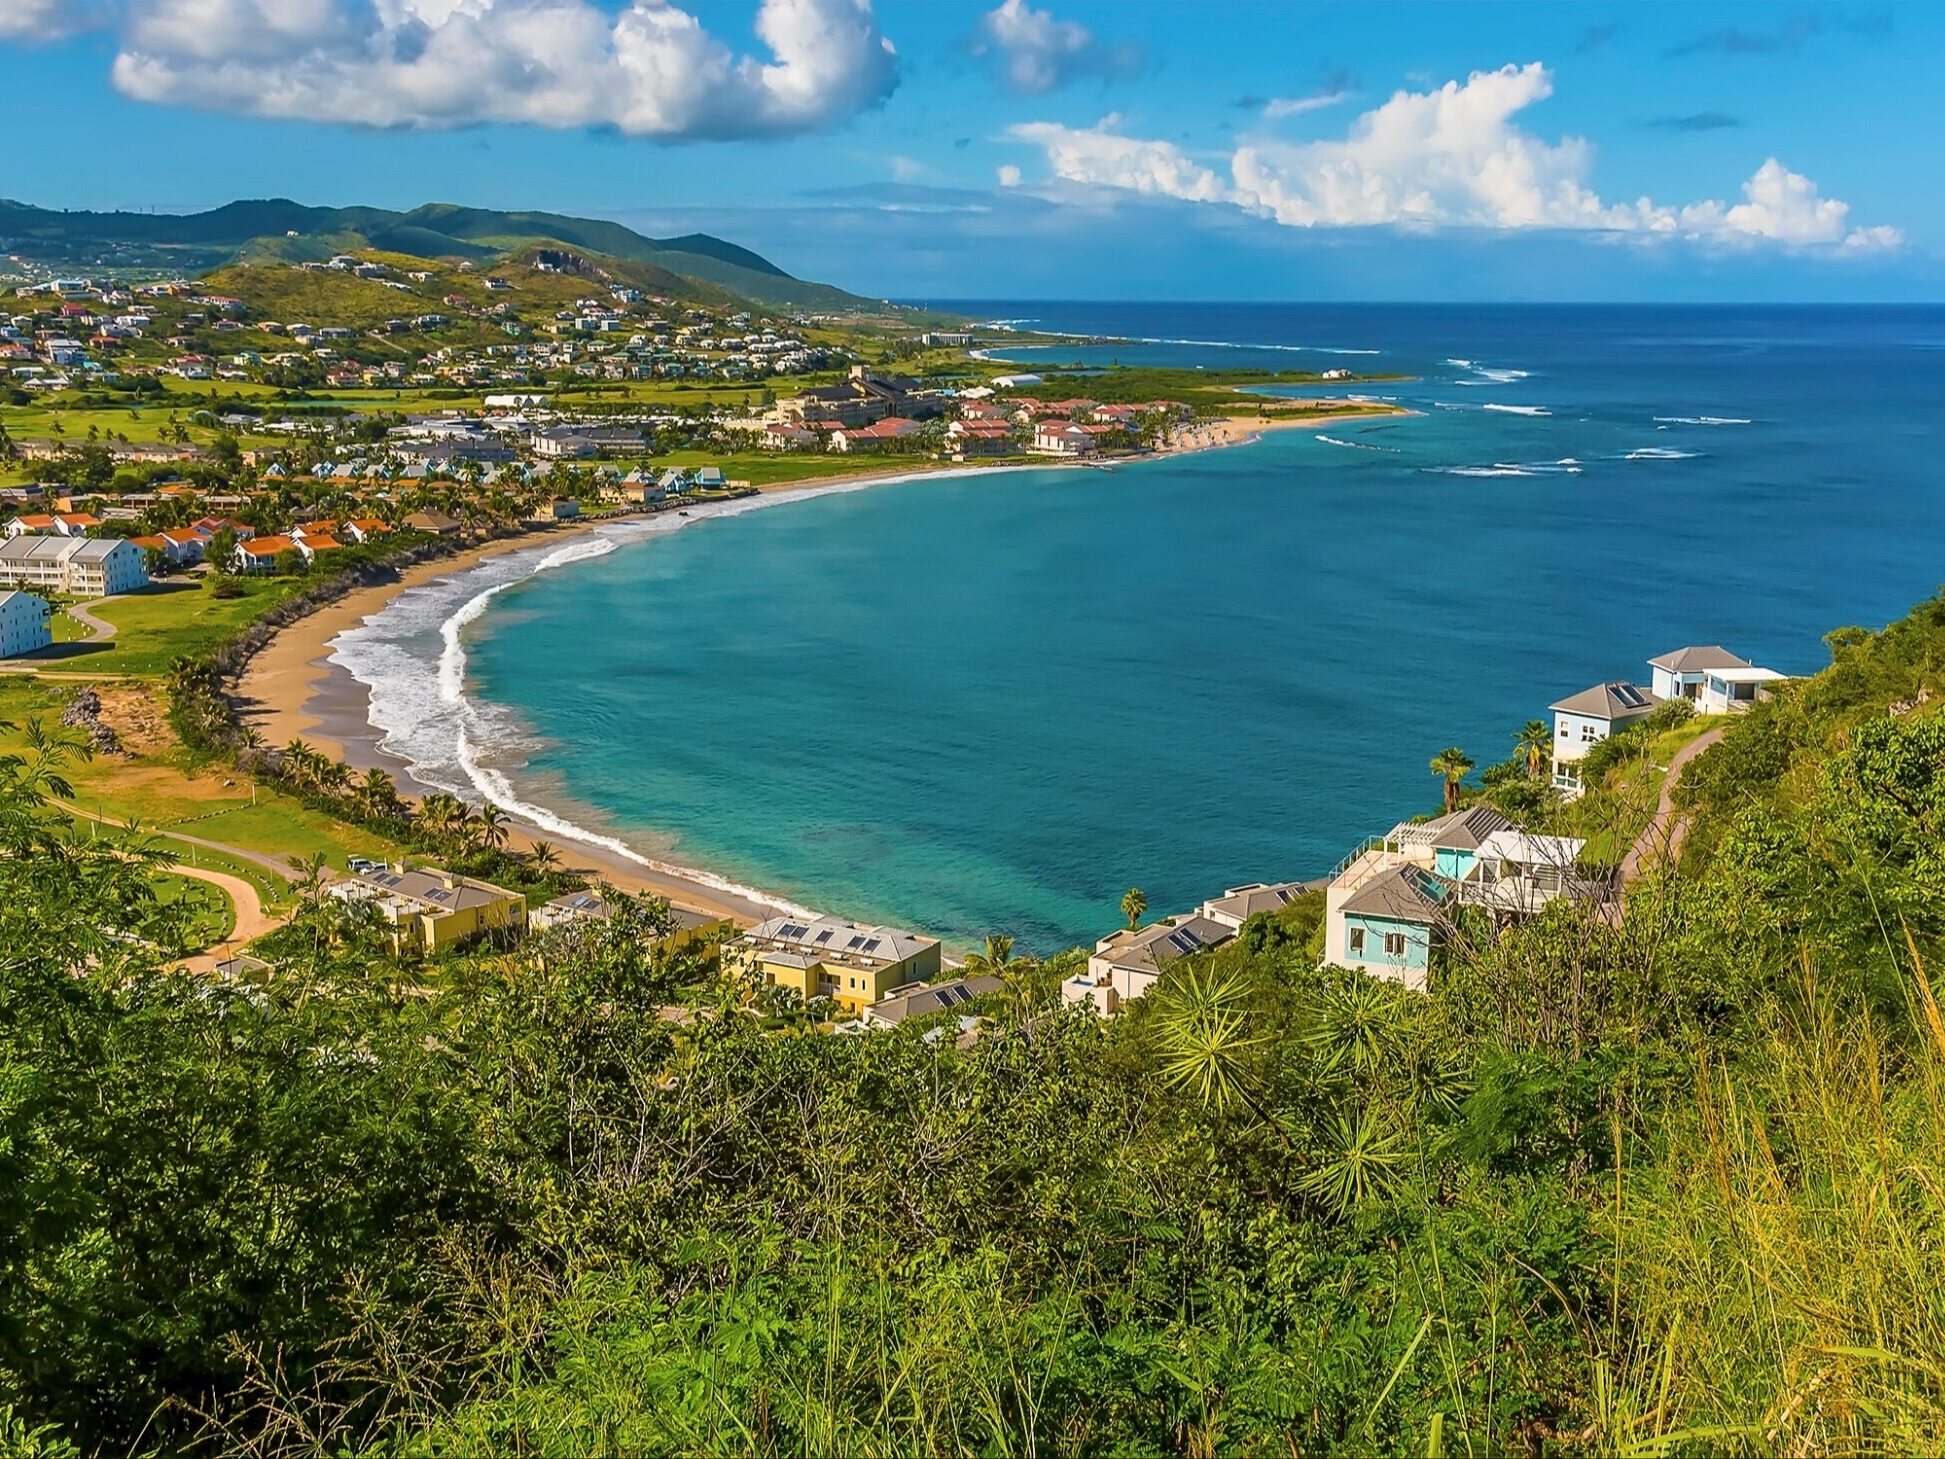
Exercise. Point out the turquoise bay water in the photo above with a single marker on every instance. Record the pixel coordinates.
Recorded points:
(993, 703)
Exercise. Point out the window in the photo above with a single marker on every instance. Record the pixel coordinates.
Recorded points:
(1588, 734)
(1394, 944)
(1356, 942)
(1563, 729)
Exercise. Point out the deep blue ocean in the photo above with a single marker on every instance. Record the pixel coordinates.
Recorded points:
(993, 703)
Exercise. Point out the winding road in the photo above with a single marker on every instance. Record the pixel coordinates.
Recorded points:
(1662, 840)
(252, 921)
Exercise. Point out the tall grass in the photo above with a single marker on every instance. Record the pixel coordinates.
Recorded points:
(1778, 1265)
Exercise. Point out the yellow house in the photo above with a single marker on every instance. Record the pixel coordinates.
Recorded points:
(824, 957)
(433, 910)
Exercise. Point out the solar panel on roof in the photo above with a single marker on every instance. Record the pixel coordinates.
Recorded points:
(872, 946)
(792, 929)
(1629, 695)
(854, 942)
(824, 936)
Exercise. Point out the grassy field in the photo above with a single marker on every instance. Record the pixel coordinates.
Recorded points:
(163, 795)
(156, 626)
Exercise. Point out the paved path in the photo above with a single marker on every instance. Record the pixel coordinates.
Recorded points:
(100, 630)
(252, 921)
(1665, 833)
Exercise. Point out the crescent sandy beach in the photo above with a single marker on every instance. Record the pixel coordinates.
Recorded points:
(292, 689)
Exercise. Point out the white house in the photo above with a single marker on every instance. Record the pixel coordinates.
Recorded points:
(1064, 438)
(1710, 677)
(81, 567)
(24, 624)
(1581, 721)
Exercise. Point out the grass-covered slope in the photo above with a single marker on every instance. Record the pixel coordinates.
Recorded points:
(284, 229)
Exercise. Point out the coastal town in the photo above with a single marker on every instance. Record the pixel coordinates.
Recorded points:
(583, 416)
(854, 729)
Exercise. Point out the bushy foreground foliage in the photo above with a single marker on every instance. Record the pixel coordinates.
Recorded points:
(1668, 1184)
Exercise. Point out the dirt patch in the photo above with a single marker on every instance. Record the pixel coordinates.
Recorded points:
(136, 713)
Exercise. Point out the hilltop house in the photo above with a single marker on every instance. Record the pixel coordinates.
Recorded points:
(1390, 901)
(1714, 680)
(823, 957)
(1581, 721)
(1126, 964)
(928, 998)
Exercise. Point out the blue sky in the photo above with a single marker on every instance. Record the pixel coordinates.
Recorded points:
(1051, 148)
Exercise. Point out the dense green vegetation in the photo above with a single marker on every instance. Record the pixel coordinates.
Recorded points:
(1669, 1184)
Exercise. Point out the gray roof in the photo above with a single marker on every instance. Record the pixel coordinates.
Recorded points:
(819, 937)
(932, 997)
(1616, 699)
(430, 889)
(1155, 947)
(31, 548)
(1464, 830)
(1404, 894)
(1245, 902)
(1698, 659)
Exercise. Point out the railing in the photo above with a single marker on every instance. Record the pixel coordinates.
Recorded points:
(1369, 843)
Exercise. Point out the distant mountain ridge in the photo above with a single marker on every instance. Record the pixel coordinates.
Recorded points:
(256, 229)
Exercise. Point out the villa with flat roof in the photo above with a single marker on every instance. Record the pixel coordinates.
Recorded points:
(825, 957)
(1391, 900)
(1710, 677)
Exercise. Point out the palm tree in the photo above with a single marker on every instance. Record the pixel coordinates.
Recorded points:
(997, 957)
(1534, 744)
(300, 761)
(377, 793)
(440, 813)
(1133, 903)
(492, 826)
(332, 776)
(1454, 764)
(544, 859)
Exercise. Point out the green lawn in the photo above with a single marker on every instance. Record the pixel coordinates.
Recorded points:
(172, 618)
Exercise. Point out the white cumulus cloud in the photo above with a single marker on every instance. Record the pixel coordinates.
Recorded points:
(1034, 52)
(1452, 156)
(648, 69)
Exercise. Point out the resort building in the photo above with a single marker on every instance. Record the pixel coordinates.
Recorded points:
(1390, 900)
(823, 957)
(80, 567)
(1714, 680)
(1581, 721)
(23, 624)
(430, 911)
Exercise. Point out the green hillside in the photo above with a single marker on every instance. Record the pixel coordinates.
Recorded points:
(292, 232)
